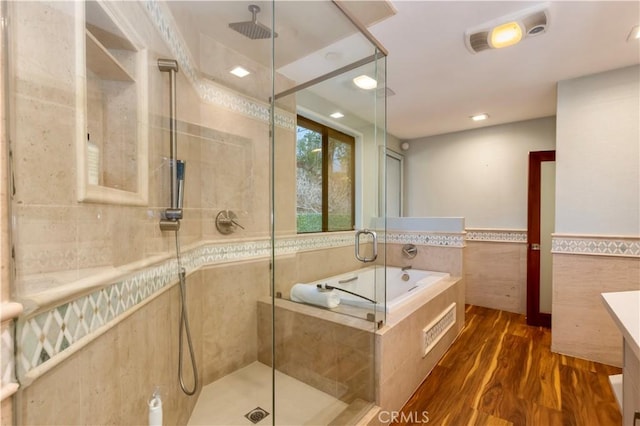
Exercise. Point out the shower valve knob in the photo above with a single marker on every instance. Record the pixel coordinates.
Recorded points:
(226, 222)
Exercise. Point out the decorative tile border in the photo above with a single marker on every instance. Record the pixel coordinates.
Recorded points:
(208, 90)
(497, 235)
(601, 246)
(7, 361)
(48, 333)
(427, 239)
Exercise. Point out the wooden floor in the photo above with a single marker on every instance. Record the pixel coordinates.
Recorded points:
(501, 372)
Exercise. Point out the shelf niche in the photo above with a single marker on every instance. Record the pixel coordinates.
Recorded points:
(112, 132)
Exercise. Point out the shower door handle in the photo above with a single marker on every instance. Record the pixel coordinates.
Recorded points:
(375, 246)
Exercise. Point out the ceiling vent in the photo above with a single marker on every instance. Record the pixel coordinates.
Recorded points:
(532, 21)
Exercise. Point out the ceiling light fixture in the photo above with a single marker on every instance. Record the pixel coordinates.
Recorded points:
(508, 30)
(634, 34)
(365, 82)
(337, 114)
(505, 35)
(239, 72)
(480, 117)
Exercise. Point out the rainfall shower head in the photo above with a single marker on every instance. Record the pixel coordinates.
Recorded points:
(253, 29)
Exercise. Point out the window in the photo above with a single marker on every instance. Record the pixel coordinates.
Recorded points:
(325, 178)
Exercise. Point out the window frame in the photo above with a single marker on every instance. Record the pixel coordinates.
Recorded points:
(327, 133)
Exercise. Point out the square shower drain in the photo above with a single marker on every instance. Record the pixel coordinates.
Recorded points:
(256, 415)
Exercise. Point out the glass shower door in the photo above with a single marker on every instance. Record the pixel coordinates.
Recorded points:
(327, 133)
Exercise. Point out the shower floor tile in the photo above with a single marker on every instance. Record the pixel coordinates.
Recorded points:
(227, 400)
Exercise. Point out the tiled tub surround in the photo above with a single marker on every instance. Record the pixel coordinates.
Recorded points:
(56, 320)
(583, 268)
(332, 352)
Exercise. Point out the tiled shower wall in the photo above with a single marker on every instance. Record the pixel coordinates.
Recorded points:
(97, 279)
(223, 145)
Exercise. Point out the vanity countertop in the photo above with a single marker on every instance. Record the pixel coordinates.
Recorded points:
(624, 307)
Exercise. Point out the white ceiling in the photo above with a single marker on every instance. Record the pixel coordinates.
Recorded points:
(439, 83)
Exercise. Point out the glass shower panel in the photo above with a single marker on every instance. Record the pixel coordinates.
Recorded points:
(326, 304)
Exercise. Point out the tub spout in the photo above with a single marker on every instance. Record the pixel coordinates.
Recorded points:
(406, 268)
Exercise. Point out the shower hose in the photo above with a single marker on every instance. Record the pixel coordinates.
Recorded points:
(184, 327)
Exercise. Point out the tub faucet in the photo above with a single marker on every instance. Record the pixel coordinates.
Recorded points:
(406, 268)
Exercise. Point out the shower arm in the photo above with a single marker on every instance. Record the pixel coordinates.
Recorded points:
(173, 214)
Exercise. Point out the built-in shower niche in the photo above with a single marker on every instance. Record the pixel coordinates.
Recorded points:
(112, 131)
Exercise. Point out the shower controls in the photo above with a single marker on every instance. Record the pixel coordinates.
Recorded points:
(226, 222)
(409, 251)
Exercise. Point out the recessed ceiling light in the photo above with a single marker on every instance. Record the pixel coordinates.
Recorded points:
(505, 35)
(239, 72)
(337, 114)
(634, 34)
(365, 82)
(480, 117)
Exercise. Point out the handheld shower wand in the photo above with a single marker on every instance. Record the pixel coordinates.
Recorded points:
(172, 215)
(171, 222)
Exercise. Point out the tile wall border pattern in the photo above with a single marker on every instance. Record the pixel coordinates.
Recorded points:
(435, 239)
(208, 90)
(45, 334)
(596, 245)
(497, 235)
(7, 361)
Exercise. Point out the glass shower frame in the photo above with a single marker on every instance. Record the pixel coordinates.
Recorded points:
(370, 214)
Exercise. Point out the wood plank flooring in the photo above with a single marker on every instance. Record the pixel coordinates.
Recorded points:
(501, 371)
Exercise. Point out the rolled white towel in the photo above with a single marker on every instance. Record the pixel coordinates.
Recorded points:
(308, 293)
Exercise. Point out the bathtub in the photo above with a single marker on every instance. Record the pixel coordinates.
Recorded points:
(398, 291)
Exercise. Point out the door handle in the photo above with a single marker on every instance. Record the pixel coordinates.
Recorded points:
(535, 247)
(375, 246)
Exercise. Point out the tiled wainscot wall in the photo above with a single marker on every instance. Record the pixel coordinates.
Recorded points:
(583, 268)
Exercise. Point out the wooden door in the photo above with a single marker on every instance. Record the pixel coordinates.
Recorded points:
(534, 314)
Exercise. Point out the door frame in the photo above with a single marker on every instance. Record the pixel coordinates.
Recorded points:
(534, 316)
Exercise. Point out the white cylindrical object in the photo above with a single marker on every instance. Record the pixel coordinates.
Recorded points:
(93, 163)
(155, 410)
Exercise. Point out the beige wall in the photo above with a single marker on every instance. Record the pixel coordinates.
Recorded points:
(109, 375)
(582, 327)
(110, 380)
(6, 412)
(496, 275)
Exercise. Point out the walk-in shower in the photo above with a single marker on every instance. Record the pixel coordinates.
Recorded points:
(123, 256)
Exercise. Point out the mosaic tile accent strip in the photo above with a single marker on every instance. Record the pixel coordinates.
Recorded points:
(46, 334)
(601, 246)
(437, 329)
(7, 361)
(496, 235)
(209, 91)
(426, 239)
